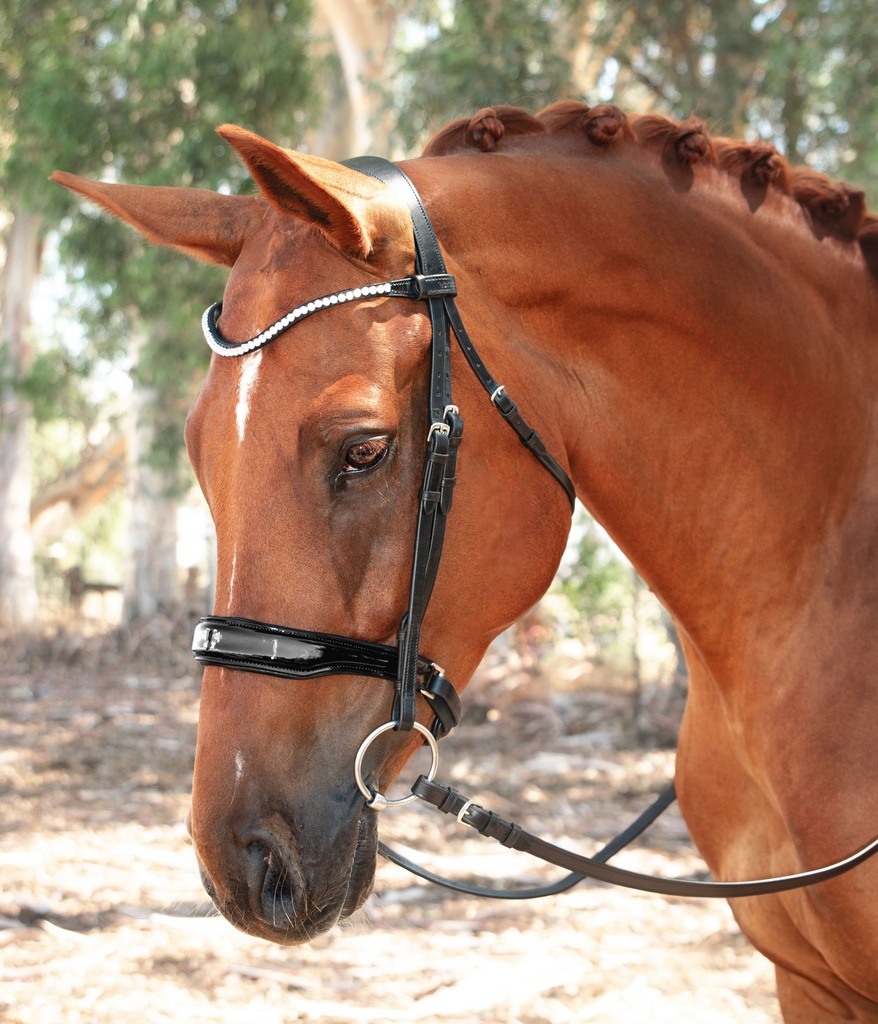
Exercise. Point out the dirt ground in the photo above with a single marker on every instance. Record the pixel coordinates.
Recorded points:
(103, 919)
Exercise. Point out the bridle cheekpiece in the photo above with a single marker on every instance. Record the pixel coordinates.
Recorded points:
(253, 646)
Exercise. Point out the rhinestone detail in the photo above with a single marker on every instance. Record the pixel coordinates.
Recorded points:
(222, 347)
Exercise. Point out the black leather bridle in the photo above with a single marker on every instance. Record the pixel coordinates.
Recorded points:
(292, 653)
(253, 646)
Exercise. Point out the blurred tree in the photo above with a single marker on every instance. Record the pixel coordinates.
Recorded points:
(819, 92)
(452, 58)
(176, 71)
(134, 91)
(46, 81)
(18, 596)
(703, 57)
(798, 73)
(357, 36)
(597, 581)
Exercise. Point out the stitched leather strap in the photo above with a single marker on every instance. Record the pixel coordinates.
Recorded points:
(504, 404)
(445, 434)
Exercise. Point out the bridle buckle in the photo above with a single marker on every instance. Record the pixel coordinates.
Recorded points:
(438, 428)
(442, 426)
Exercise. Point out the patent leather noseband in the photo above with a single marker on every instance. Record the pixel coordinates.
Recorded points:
(269, 649)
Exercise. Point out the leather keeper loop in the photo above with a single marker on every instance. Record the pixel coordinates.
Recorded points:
(497, 828)
(428, 286)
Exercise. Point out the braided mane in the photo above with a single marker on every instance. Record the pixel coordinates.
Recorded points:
(831, 209)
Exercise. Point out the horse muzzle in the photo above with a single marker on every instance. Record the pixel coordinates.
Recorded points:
(268, 884)
(283, 809)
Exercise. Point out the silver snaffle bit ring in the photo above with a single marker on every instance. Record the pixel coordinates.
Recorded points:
(377, 801)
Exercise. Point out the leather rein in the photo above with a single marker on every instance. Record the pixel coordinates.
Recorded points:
(264, 648)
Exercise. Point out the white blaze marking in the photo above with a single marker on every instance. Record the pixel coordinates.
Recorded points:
(239, 766)
(232, 577)
(246, 387)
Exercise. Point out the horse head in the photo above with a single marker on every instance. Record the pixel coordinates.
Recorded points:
(310, 453)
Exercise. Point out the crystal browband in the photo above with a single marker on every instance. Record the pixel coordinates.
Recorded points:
(415, 287)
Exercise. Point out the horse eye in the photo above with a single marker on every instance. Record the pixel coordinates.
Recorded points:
(365, 455)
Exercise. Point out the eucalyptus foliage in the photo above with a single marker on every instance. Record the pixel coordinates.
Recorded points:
(132, 91)
(455, 57)
(799, 73)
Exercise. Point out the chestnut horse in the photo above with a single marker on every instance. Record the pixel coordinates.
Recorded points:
(692, 327)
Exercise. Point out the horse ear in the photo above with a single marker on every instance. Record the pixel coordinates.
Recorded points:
(204, 224)
(358, 214)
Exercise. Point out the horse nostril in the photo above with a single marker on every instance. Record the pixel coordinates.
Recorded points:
(258, 858)
(273, 884)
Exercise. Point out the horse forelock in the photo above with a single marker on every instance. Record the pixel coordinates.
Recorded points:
(831, 209)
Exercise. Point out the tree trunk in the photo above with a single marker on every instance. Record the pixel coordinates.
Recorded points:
(150, 585)
(18, 591)
(361, 31)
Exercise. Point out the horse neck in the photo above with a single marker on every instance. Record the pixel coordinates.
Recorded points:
(709, 374)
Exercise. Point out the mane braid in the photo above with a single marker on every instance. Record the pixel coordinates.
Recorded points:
(684, 142)
(602, 125)
(756, 162)
(831, 209)
(483, 131)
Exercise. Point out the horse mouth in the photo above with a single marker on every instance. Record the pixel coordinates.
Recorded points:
(279, 899)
